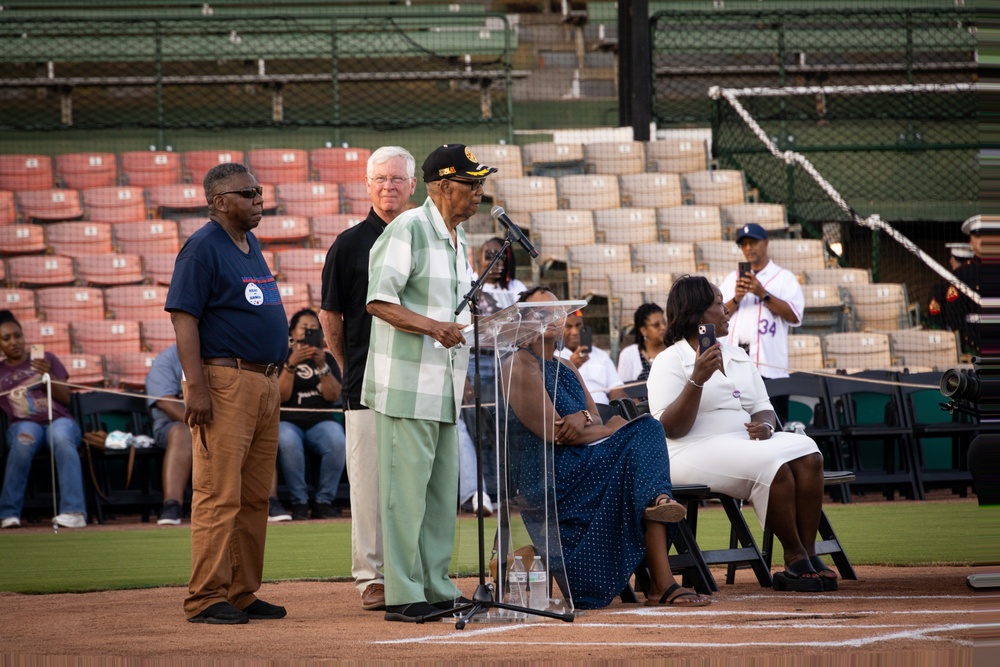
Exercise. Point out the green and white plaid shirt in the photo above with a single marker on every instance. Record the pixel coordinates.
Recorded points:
(414, 264)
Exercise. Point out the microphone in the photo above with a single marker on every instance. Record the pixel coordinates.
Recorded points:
(515, 232)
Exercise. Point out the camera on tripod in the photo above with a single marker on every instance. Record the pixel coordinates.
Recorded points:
(975, 392)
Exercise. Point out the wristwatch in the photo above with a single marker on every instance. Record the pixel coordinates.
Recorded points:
(325, 370)
(767, 297)
(586, 415)
(290, 368)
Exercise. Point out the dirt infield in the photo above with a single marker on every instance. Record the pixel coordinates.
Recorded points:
(913, 616)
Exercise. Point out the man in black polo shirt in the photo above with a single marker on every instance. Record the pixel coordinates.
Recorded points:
(347, 326)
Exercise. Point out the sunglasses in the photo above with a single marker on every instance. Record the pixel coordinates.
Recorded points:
(474, 184)
(246, 193)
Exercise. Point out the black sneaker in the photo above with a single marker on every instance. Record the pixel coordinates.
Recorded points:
(325, 511)
(276, 511)
(410, 613)
(221, 613)
(300, 512)
(260, 610)
(170, 515)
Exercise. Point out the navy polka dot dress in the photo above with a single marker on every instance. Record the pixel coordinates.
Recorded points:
(601, 491)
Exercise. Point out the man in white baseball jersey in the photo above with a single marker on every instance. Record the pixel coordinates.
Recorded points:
(764, 303)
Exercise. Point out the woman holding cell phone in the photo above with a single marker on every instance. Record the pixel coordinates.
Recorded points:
(25, 403)
(721, 431)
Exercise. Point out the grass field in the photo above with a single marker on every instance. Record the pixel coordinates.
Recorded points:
(899, 533)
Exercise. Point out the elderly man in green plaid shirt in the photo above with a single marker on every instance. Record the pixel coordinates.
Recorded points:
(414, 381)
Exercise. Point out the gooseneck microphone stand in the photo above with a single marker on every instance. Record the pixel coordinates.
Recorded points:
(482, 600)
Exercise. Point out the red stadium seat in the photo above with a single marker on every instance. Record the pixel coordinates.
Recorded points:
(197, 163)
(106, 336)
(136, 302)
(87, 170)
(53, 335)
(188, 226)
(279, 165)
(49, 205)
(146, 168)
(22, 239)
(282, 229)
(70, 304)
(74, 239)
(138, 238)
(25, 172)
(183, 197)
(113, 269)
(294, 297)
(270, 260)
(28, 270)
(158, 267)
(340, 165)
(326, 228)
(117, 204)
(19, 301)
(158, 335)
(85, 369)
(309, 199)
(128, 370)
(355, 199)
(8, 215)
(301, 265)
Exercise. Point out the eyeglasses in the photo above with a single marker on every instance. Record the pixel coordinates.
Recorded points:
(490, 254)
(246, 193)
(397, 181)
(475, 184)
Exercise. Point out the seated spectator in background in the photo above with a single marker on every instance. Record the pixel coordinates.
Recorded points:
(468, 497)
(648, 328)
(595, 365)
(612, 481)
(721, 432)
(310, 380)
(172, 435)
(27, 409)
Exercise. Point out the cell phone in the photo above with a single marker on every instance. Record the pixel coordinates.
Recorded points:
(586, 338)
(745, 269)
(313, 337)
(37, 351)
(706, 337)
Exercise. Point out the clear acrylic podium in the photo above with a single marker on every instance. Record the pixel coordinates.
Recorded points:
(527, 513)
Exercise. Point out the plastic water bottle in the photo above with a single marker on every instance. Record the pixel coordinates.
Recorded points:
(517, 579)
(538, 585)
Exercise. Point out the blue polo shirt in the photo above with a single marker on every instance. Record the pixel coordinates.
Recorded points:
(233, 295)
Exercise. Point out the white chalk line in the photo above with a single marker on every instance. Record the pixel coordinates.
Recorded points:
(660, 611)
(465, 637)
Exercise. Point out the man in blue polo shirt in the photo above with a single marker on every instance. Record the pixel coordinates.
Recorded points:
(232, 336)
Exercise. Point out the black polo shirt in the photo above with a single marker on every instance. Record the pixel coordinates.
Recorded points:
(345, 290)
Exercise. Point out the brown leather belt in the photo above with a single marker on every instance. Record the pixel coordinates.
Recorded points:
(270, 370)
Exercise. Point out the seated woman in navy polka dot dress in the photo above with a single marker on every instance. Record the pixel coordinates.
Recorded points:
(612, 481)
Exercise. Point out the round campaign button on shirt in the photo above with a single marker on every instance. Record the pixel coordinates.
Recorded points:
(736, 394)
(254, 294)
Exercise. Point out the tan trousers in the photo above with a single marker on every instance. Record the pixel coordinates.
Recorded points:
(366, 520)
(232, 465)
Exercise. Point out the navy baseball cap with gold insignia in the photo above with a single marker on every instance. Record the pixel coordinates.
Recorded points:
(451, 160)
(753, 231)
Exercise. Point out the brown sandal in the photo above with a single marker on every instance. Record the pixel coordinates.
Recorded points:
(665, 510)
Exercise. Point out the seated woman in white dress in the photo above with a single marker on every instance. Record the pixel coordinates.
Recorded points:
(721, 432)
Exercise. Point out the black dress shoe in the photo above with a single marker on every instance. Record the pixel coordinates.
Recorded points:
(221, 613)
(446, 605)
(409, 613)
(260, 610)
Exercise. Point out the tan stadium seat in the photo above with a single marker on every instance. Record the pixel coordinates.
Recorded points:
(630, 290)
(823, 309)
(913, 348)
(615, 157)
(185, 197)
(283, 229)
(326, 228)
(856, 351)
(79, 238)
(674, 258)
(719, 256)
(144, 236)
(136, 302)
(507, 160)
(106, 336)
(625, 226)
(70, 304)
(128, 369)
(769, 216)
(589, 266)
(546, 158)
(716, 187)
(85, 369)
(53, 335)
(301, 265)
(798, 255)
(520, 197)
(113, 269)
(554, 231)
(805, 353)
(590, 192)
(677, 156)
(651, 190)
(837, 276)
(879, 307)
(689, 224)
